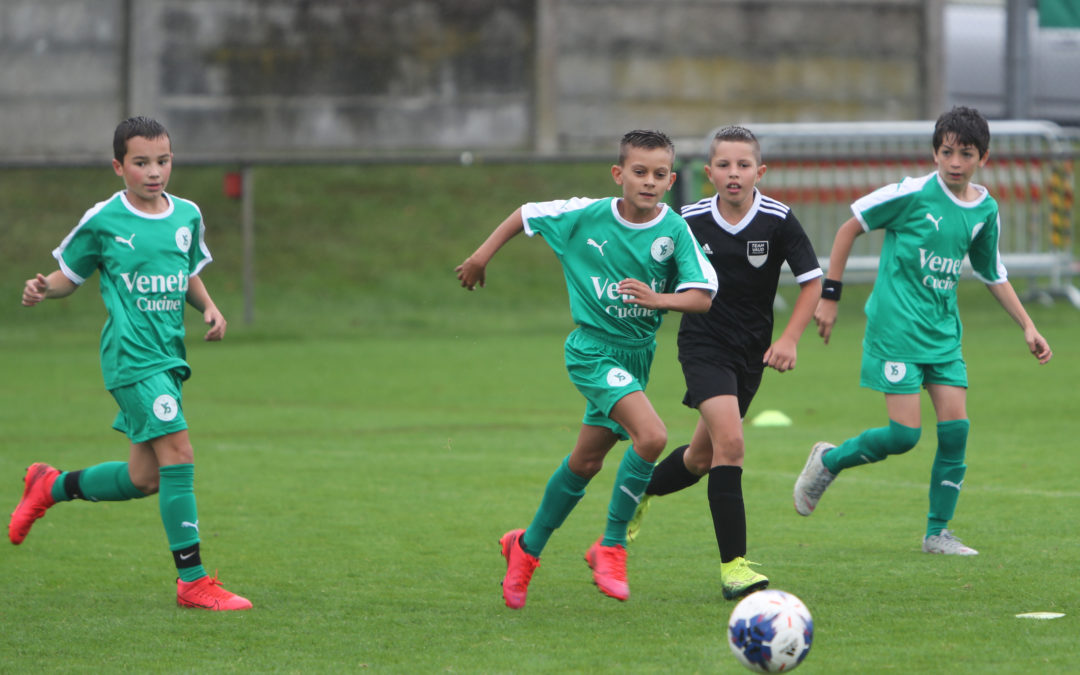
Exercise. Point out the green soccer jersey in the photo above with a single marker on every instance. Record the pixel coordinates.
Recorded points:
(145, 261)
(911, 314)
(598, 248)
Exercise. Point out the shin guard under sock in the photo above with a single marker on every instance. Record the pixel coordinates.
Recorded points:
(671, 474)
(107, 482)
(630, 483)
(872, 445)
(564, 490)
(728, 511)
(176, 500)
(947, 474)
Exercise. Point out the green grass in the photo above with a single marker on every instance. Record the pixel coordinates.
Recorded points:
(363, 445)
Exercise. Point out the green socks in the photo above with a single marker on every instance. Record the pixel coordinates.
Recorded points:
(111, 482)
(630, 483)
(564, 490)
(872, 445)
(947, 474)
(176, 499)
(108, 482)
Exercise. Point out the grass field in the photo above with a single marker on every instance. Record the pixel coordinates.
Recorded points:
(363, 445)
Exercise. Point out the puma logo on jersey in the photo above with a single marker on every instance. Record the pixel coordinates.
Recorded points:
(187, 523)
(127, 241)
(935, 221)
(599, 247)
(949, 483)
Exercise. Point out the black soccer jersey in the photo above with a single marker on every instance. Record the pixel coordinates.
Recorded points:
(747, 257)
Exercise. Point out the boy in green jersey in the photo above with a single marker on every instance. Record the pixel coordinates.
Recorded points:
(913, 329)
(626, 262)
(148, 246)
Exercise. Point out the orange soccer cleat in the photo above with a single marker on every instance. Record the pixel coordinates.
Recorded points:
(37, 497)
(608, 565)
(519, 569)
(207, 593)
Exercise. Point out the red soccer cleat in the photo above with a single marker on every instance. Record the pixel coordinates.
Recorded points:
(608, 565)
(519, 569)
(37, 497)
(207, 593)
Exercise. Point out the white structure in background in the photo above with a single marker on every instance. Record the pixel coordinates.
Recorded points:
(975, 63)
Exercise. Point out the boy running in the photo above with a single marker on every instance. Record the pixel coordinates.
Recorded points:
(626, 261)
(747, 237)
(913, 329)
(149, 248)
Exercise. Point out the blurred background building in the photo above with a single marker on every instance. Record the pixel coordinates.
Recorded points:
(273, 78)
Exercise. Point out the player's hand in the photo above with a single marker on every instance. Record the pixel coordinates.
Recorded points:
(216, 320)
(825, 318)
(639, 293)
(35, 290)
(470, 273)
(780, 355)
(1038, 345)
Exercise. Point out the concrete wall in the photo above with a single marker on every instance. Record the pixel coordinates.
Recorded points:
(268, 78)
(61, 76)
(688, 66)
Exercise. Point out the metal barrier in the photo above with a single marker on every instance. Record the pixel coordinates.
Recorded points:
(820, 169)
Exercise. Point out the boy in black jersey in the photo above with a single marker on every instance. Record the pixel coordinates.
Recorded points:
(747, 237)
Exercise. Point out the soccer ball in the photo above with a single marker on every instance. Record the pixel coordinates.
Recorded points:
(770, 631)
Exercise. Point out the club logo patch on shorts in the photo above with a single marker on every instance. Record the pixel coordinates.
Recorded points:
(183, 239)
(662, 248)
(757, 252)
(895, 371)
(166, 408)
(617, 377)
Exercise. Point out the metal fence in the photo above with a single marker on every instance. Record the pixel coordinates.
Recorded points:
(820, 169)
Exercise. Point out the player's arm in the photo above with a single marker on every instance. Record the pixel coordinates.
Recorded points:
(1007, 298)
(825, 314)
(42, 287)
(199, 298)
(691, 300)
(471, 271)
(781, 354)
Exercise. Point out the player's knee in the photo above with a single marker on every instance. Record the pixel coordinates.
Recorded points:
(698, 463)
(650, 442)
(728, 450)
(148, 485)
(902, 438)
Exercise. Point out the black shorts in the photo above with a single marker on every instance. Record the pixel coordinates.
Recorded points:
(710, 372)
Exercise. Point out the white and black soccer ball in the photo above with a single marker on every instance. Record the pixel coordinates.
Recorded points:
(770, 631)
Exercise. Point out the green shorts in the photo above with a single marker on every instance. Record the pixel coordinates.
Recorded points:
(899, 377)
(604, 372)
(150, 408)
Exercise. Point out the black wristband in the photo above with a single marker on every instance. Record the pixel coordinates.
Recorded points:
(830, 290)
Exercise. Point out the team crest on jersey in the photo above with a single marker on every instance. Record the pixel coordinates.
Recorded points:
(183, 239)
(662, 248)
(895, 371)
(757, 252)
(617, 377)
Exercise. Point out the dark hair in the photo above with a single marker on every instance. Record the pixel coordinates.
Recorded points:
(136, 126)
(737, 134)
(967, 125)
(646, 140)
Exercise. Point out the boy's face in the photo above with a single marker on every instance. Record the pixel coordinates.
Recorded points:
(734, 170)
(957, 163)
(145, 169)
(645, 177)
